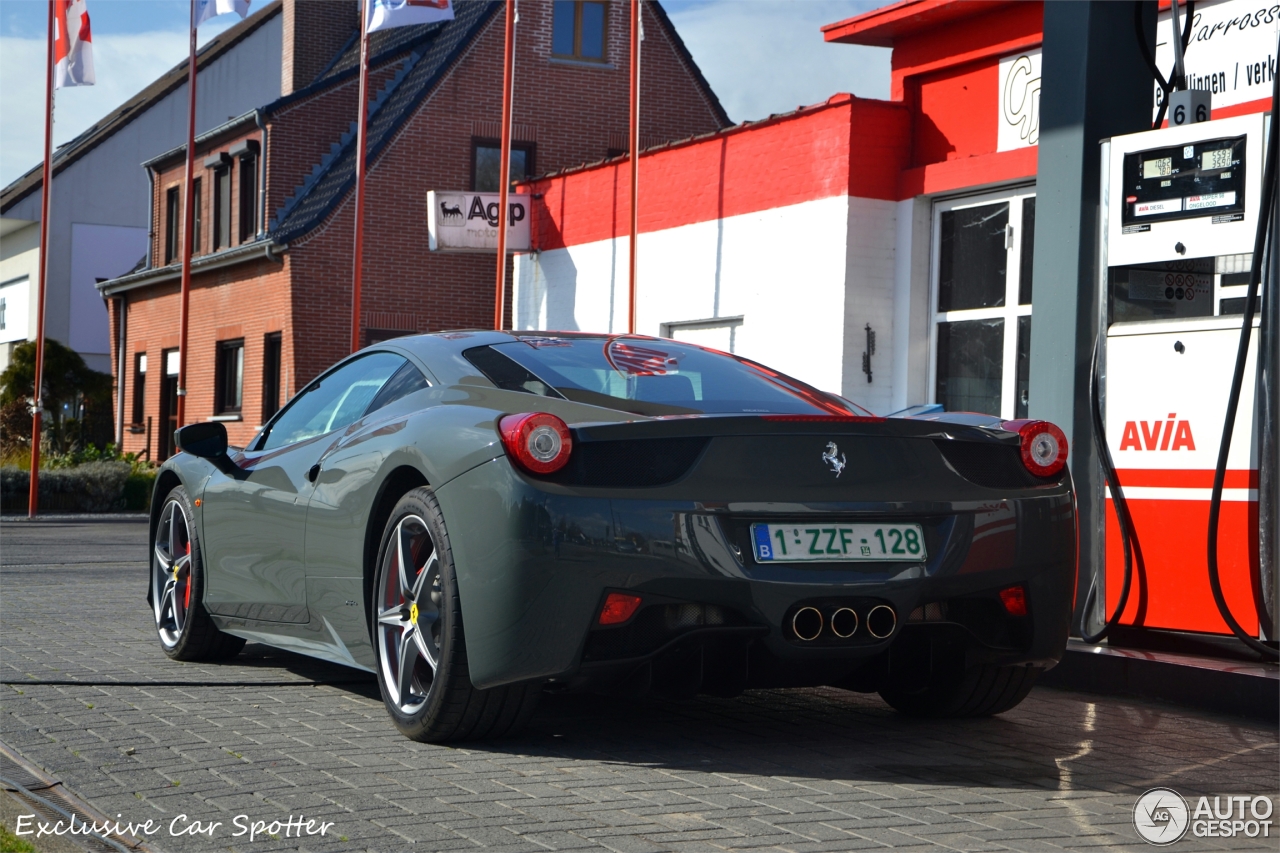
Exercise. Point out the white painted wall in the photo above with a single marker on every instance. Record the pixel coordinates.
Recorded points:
(108, 186)
(19, 262)
(805, 278)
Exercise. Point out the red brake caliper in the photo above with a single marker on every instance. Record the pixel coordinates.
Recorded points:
(186, 596)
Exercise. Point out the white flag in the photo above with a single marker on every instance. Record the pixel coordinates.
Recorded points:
(206, 9)
(385, 14)
(72, 45)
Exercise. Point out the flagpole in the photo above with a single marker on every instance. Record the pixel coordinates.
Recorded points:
(188, 225)
(635, 162)
(362, 125)
(504, 167)
(46, 196)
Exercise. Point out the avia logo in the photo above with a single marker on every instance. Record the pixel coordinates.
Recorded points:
(1158, 435)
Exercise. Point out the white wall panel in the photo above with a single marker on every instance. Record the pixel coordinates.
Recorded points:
(805, 278)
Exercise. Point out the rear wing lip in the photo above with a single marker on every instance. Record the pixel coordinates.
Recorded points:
(712, 425)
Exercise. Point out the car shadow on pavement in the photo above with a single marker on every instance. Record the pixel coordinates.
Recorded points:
(1055, 740)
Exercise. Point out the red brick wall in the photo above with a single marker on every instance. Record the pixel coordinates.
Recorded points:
(574, 113)
(246, 301)
(313, 33)
(171, 175)
(568, 110)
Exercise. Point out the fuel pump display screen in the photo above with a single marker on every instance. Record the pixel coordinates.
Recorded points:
(1204, 178)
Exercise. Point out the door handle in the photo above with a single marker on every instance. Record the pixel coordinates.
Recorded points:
(313, 472)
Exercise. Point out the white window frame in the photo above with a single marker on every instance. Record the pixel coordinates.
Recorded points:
(1009, 312)
(671, 328)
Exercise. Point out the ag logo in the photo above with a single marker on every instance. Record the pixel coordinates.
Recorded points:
(1161, 816)
(836, 462)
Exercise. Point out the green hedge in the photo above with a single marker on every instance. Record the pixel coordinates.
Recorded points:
(92, 487)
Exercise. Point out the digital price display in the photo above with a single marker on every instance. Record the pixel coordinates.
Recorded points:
(1217, 159)
(1184, 182)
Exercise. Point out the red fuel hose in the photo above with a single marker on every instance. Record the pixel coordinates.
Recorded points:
(1266, 211)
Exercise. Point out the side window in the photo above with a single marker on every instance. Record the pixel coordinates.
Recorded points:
(406, 380)
(334, 401)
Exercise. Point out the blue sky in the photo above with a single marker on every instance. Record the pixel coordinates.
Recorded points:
(760, 56)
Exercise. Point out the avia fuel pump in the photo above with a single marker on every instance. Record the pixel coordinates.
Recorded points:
(1179, 218)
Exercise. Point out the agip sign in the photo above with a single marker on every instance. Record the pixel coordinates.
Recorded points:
(468, 222)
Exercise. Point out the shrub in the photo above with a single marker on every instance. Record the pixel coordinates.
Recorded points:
(93, 487)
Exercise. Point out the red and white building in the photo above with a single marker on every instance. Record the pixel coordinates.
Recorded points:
(883, 250)
(784, 239)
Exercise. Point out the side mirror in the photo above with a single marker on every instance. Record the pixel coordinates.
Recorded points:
(206, 440)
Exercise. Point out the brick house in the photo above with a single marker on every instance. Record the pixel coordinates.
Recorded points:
(271, 278)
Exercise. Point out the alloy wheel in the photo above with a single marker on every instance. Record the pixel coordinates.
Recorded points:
(409, 615)
(171, 573)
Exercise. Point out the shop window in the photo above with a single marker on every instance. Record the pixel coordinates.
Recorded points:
(982, 303)
(578, 30)
(486, 158)
(248, 197)
(139, 389)
(229, 378)
(221, 208)
(172, 216)
(271, 364)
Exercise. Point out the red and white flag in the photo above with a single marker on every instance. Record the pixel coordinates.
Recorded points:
(72, 45)
(385, 14)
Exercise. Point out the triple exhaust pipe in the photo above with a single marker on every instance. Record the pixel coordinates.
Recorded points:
(808, 623)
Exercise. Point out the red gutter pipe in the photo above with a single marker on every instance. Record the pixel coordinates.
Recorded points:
(362, 125)
(188, 225)
(635, 161)
(46, 195)
(504, 168)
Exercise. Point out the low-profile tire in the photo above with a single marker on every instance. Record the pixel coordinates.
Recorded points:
(418, 637)
(184, 627)
(978, 691)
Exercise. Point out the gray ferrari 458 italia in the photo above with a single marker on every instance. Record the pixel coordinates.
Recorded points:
(480, 517)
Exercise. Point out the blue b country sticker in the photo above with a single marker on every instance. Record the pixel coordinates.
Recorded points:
(764, 551)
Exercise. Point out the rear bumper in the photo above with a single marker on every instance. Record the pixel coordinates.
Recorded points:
(534, 565)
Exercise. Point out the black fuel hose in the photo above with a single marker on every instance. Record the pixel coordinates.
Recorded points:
(1266, 211)
(1128, 536)
(1166, 86)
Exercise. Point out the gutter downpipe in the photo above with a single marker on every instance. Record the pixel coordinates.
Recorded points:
(122, 305)
(151, 225)
(262, 173)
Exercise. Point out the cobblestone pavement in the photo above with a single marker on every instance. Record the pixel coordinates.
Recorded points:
(273, 735)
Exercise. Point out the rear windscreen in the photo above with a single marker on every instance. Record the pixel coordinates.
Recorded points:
(650, 376)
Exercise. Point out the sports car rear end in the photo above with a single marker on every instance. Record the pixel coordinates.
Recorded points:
(702, 544)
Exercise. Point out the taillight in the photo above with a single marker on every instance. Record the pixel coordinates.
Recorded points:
(1044, 446)
(538, 442)
(618, 608)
